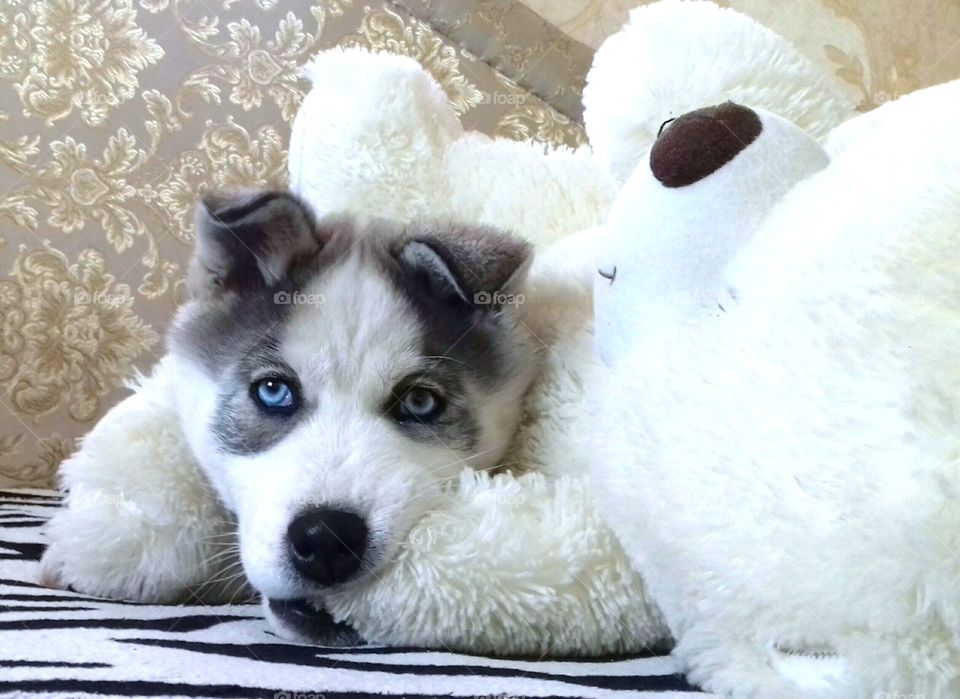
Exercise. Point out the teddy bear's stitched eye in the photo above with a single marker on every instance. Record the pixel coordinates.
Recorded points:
(612, 276)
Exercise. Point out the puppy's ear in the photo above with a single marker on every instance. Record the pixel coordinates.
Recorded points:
(478, 267)
(248, 240)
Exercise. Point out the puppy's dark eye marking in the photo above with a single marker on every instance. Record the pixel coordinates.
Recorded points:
(612, 276)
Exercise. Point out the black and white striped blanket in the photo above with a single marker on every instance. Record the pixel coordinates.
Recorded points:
(63, 644)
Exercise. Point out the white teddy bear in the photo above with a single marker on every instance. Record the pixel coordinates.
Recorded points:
(778, 443)
(376, 134)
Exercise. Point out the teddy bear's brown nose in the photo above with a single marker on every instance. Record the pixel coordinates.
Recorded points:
(701, 142)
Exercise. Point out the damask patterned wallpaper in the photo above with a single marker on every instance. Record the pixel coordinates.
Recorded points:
(116, 114)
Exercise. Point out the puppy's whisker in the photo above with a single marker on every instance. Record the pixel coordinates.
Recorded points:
(463, 461)
(229, 575)
(228, 528)
(454, 478)
(222, 557)
(213, 542)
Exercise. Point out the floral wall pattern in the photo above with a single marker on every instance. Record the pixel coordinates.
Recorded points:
(116, 114)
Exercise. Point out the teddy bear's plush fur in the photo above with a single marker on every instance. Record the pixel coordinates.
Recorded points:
(737, 532)
(778, 439)
(674, 56)
(518, 563)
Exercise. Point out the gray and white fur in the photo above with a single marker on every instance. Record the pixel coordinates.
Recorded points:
(359, 326)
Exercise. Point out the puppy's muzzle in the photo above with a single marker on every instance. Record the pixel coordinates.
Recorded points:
(326, 545)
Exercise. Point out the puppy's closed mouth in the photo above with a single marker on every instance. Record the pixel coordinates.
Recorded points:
(310, 623)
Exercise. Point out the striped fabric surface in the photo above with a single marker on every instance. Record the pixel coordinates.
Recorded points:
(63, 644)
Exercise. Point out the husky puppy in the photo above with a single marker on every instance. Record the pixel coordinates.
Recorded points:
(335, 375)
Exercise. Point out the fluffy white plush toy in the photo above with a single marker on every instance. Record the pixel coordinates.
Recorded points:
(779, 410)
(515, 563)
(519, 562)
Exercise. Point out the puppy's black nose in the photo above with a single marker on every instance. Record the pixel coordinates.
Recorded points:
(327, 546)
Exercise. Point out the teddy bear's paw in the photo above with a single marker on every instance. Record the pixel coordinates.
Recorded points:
(102, 548)
(66, 566)
(734, 665)
(58, 571)
(51, 573)
(135, 577)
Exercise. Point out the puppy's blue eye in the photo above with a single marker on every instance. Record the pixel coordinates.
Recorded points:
(275, 395)
(420, 403)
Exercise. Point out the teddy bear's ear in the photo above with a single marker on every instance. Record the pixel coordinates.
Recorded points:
(248, 240)
(478, 267)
